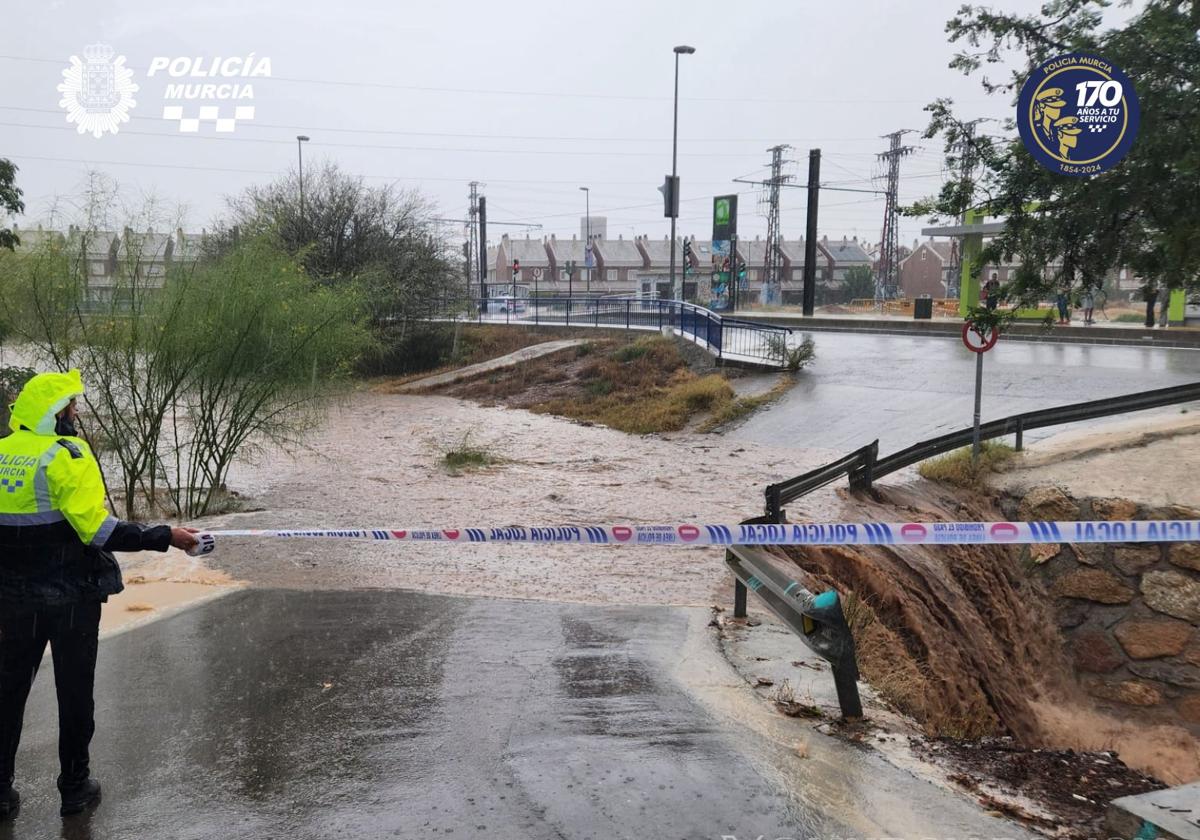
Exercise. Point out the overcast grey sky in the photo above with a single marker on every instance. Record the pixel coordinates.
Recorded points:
(531, 98)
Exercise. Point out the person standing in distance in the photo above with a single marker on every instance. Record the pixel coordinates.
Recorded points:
(56, 570)
(992, 290)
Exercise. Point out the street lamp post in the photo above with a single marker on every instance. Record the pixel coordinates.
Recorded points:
(301, 139)
(680, 50)
(587, 245)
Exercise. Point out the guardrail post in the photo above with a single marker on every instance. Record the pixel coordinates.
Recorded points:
(739, 593)
(568, 311)
(817, 619)
(1020, 434)
(774, 505)
(870, 456)
(628, 303)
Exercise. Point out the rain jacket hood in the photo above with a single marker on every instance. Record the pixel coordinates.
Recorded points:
(43, 397)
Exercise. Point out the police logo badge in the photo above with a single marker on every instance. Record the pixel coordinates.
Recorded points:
(1078, 114)
(97, 92)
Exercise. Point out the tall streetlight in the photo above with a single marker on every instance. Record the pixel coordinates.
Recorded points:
(301, 139)
(587, 245)
(680, 50)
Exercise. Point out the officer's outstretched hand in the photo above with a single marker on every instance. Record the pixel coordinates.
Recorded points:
(184, 538)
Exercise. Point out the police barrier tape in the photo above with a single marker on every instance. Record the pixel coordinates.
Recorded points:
(815, 533)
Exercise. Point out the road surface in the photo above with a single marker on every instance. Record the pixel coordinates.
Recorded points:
(903, 390)
(277, 713)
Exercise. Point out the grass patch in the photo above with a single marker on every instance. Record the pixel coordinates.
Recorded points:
(1129, 318)
(664, 409)
(742, 406)
(792, 358)
(641, 388)
(466, 456)
(631, 351)
(957, 469)
(599, 387)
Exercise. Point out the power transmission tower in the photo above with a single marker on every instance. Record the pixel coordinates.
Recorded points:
(887, 281)
(966, 175)
(770, 197)
(473, 260)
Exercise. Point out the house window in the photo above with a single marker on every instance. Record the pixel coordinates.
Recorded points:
(612, 275)
(924, 253)
(98, 268)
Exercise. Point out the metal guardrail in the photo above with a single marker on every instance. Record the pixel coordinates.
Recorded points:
(863, 466)
(729, 339)
(783, 492)
(817, 619)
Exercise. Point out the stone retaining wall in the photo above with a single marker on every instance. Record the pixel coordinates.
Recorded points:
(1129, 614)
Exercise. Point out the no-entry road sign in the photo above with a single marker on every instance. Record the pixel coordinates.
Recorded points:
(979, 342)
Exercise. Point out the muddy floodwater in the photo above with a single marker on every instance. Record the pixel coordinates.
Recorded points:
(376, 463)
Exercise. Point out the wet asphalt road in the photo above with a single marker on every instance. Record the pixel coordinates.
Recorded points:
(903, 390)
(390, 714)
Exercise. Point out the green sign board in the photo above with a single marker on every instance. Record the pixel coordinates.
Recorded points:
(724, 217)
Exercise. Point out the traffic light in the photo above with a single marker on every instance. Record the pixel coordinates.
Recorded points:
(516, 268)
(670, 192)
(687, 256)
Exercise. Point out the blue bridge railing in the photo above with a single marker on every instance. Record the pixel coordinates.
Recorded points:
(729, 339)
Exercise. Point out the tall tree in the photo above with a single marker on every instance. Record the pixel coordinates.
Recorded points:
(1142, 213)
(10, 202)
(381, 238)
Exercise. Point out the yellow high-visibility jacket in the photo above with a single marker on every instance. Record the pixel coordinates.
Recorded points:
(54, 525)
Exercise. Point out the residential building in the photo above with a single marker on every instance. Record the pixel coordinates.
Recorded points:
(114, 262)
(929, 269)
(793, 271)
(655, 279)
(619, 264)
(537, 267)
(846, 254)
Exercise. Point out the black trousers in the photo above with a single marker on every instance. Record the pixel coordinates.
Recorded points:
(72, 633)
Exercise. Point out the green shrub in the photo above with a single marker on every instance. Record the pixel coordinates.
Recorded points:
(958, 469)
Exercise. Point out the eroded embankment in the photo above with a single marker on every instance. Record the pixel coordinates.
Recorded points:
(970, 640)
(953, 635)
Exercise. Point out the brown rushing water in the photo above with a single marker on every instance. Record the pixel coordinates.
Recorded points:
(375, 463)
(969, 642)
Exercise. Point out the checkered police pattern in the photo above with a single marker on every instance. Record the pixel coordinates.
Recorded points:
(207, 114)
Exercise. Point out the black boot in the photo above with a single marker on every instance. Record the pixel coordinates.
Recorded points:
(10, 803)
(78, 797)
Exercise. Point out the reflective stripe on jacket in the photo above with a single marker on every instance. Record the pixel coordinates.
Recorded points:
(53, 520)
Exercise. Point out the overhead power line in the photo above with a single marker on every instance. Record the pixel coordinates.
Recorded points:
(538, 93)
(195, 167)
(451, 149)
(258, 126)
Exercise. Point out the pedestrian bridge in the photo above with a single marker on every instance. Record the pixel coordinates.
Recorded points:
(729, 340)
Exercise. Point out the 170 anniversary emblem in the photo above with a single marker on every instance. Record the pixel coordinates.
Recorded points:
(1078, 114)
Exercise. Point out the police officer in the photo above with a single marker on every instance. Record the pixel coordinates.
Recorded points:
(56, 570)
